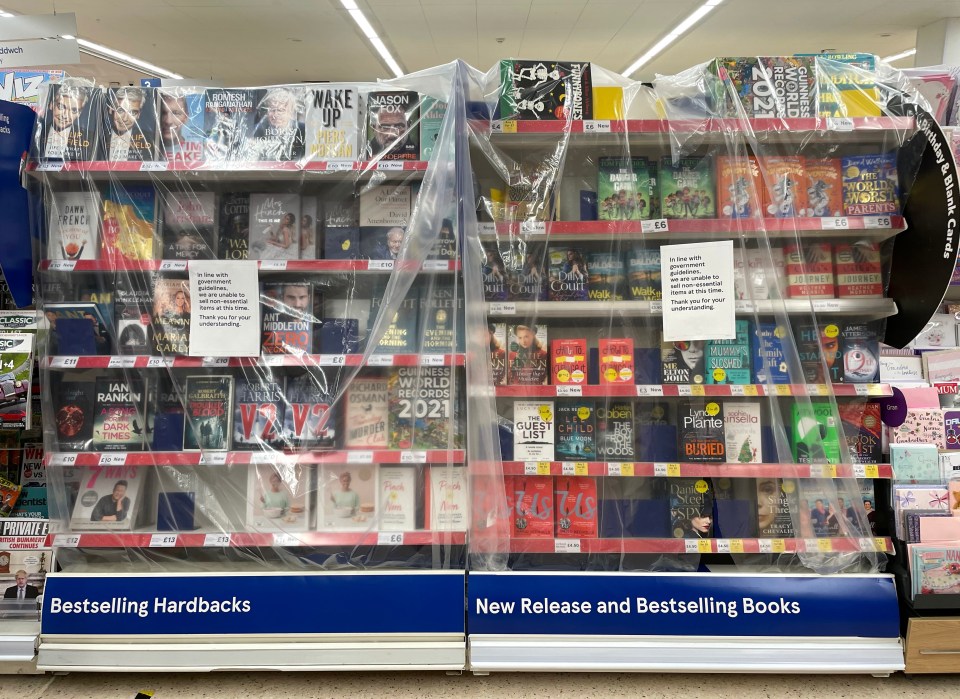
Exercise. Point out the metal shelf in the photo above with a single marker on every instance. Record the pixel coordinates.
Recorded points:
(230, 458)
(708, 390)
(677, 546)
(270, 360)
(159, 540)
(680, 470)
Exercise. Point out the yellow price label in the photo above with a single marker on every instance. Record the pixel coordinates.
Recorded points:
(824, 545)
(778, 545)
(783, 389)
(704, 546)
(788, 487)
(719, 375)
(626, 470)
(829, 471)
(697, 390)
(510, 126)
(701, 486)
(673, 470)
(610, 375)
(583, 412)
(546, 413)
(874, 389)
(780, 332)
(563, 376)
(871, 471)
(831, 330)
(751, 390)
(543, 468)
(822, 389)
(581, 468)
(712, 409)
(736, 545)
(881, 544)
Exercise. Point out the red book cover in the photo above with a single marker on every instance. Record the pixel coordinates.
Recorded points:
(532, 506)
(575, 499)
(858, 270)
(739, 187)
(568, 362)
(616, 361)
(809, 271)
(785, 192)
(824, 184)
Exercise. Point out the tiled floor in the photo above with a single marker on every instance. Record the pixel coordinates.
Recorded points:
(514, 686)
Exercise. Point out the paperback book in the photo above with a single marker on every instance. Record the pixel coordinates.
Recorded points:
(615, 431)
(824, 183)
(398, 498)
(775, 498)
(498, 353)
(533, 507)
(858, 270)
(607, 280)
(739, 187)
(533, 430)
(73, 404)
(870, 185)
(529, 364)
(687, 188)
(527, 275)
(568, 361)
(728, 361)
(576, 506)
(616, 361)
(815, 437)
(742, 430)
(860, 344)
(701, 430)
(208, 411)
(786, 195)
(341, 229)
(769, 359)
(643, 274)
(234, 226)
(569, 276)
(818, 347)
(133, 302)
(576, 428)
(493, 270)
(623, 188)
(691, 508)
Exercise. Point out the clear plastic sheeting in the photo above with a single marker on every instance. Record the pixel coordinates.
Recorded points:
(318, 220)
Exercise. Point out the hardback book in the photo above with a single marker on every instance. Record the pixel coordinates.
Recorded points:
(258, 409)
(769, 360)
(921, 426)
(527, 355)
(847, 85)
(860, 344)
(432, 113)
(819, 349)
(228, 121)
(287, 318)
(494, 272)
(278, 497)
(133, 302)
(533, 430)
(77, 329)
(497, 333)
(870, 184)
(568, 362)
(165, 417)
(333, 122)
(775, 501)
(182, 134)
(742, 424)
(73, 412)
(424, 408)
(700, 427)
(385, 206)
(310, 417)
(109, 498)
(687, 188)
(274, 226)
(824, 183)
(785, 195)
(234, 226)
(569, 276)
(441, 318)
(527, 275)
(348, 497)
(728, 361)
(815, 436)
(616, 361)
(576, 506)
(94, 291)
(393, 126)
(309, 228)
(188, 225)
(643, 274)
(16, 380)
(341, 229)
(740, 187)
(208, 412)
(73, 224)
(533, 506)
(120, 415)
(607, 281)
(691, 508)
(368, 415)
(401, 335)
(772, 86)
(858, 270)
(615, 431)
(278, 125)
(446, 505)
(71, 122)
(129, 218)
(576, 431)
(398, 498)
(862, 431)
(623, 188)
(546, 90)
(682, 362)
(171, 316)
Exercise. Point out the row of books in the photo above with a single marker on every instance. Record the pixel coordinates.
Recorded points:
(278, 498)
(127, 223)
(565, 272)
(22, 468)
(522, 354)
(741, 187)
(195, 125)
(582, 507)
(694, 430)
(403, 408)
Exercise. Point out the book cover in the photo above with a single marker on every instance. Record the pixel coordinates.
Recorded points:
(643, 274)
(278, 131)
(182, 134)
(234, 226)
(774, 500)
(860, 344)
(858, 270)
(368, 413)
(393, 126)
(447, 498)
(274, 226)
(132, 305)
(398, 498)
(824, 183)
(770, 87)
(258, 409)
(171, 316)
(870, 184)
(615, 431)
(847, 85)
(187, 225)
(739, 187)
(309, 228)
(921, 426)
(529, 363)
(728, 361)
(73, 405)
(568, 362)
(682, 362)
(16, 380)
(769, 360)
(129, 215)
(576, 429)
(656, 432)
(332, 122)
(228, 121)
(497, 333)
(287, 318)
(385, 206)
(432, 112)
(400, 336)
(691, 508)
(120, 412)
(442, 318)
(310, 416)
(616, 361)
(569, 276)
(623, 188)
(71, 123)
(575, 503)
(165, 416)
(687, 188)
(527, 275)
(73, 225)
(785, 179)
(814, 436)
(341, 228)
(208, 411)
(533, 430)
(818, 347)
(494, 273)
(701, 432)
(607, 281)
(533, 506)
(109, 498)
(549, 90)
(77, 329)
(742, 424)
(278, 497)
(348, 497)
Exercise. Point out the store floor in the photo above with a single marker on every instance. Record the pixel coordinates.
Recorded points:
(424, 685)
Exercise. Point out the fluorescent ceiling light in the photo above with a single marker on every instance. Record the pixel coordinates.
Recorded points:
(371, 34)
(898, 56)
(672, 36)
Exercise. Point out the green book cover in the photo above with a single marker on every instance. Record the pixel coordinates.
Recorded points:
(432, 111)
(623, 189)
(687, 188)
(815, 436)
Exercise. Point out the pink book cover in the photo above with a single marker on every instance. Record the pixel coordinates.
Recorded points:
(921, 427)
(532, 506)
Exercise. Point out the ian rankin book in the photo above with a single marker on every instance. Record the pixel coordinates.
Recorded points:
(533, 430)
(119, 415)
(333, 122)
(258, 413)
(367, 418)
(108, 498)
(701, 431)
(73, 224)
(208, 412)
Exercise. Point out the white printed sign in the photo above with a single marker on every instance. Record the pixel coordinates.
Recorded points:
(225, 313)
(698, 291)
